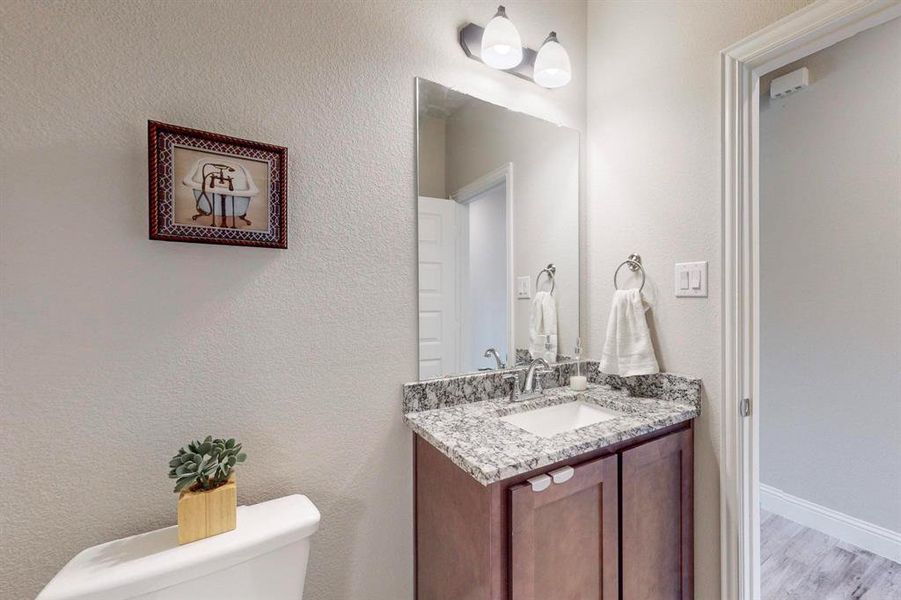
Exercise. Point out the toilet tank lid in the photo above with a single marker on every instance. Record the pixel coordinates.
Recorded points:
(150, 561)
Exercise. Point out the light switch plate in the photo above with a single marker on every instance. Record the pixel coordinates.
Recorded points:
(691, 279)
(524, 287)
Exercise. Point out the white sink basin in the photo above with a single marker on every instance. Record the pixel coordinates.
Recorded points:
(560, 418)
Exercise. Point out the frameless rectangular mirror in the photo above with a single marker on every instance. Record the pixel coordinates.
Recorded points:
(498, 205)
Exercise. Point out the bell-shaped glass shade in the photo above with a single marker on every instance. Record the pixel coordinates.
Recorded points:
(501, 44)
(552, 67)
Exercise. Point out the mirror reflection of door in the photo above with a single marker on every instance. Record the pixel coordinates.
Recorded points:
(438, 301)
(483, 278)
(498, 199)
(463, 280)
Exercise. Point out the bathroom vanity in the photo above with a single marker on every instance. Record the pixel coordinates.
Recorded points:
(554, 494)
(600, 511)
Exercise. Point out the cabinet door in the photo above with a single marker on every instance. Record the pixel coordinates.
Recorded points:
(565, 538)
(657, 519)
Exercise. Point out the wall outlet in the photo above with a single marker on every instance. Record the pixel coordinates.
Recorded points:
(691, 279)
(524, 287)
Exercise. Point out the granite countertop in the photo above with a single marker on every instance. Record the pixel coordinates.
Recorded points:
(475, 438)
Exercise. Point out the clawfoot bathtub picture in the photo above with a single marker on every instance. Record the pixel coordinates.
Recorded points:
(215, 189)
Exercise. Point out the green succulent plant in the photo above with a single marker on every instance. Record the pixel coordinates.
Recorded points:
(205, 465)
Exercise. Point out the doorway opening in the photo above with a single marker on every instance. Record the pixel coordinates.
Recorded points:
(482, 259)
(465, 276)
(829, 322)
(809, 30)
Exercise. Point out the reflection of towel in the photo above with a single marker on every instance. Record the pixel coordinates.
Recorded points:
(628, 349)
(543, 326)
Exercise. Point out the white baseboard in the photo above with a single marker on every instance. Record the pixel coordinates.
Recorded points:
(868, 536)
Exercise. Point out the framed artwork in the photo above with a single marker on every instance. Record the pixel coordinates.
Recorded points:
(215, 189)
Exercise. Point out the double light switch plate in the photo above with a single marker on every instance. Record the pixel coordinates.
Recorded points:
(524, 287)
(691, 279)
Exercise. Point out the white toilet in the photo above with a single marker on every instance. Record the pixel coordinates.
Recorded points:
(265, 558)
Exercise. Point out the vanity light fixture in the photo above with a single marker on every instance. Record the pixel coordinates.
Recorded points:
(552, 66)
(499, 46)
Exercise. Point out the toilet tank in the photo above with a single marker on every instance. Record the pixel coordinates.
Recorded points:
(264, 558)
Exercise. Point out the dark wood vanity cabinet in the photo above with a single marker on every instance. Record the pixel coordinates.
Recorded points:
(564, 540)
(656, 509)
(620, 527)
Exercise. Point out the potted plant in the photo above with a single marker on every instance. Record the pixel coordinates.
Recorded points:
(205, 481)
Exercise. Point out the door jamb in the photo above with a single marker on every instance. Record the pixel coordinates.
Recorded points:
(817, 26)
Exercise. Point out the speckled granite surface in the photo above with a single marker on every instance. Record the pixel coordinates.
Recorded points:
(524, 358)
(487, 385)
(666, 386)
(475, 438)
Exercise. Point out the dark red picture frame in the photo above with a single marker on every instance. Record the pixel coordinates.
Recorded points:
(161, 140)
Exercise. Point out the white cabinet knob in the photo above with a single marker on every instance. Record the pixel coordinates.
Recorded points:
(562, 475)
(540, 483)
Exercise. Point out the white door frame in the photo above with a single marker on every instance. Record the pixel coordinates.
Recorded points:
(817, 26)
(502, 174)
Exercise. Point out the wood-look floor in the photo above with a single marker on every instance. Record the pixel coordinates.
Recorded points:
(798, 563)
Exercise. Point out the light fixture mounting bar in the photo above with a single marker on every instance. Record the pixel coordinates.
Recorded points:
(471, 42)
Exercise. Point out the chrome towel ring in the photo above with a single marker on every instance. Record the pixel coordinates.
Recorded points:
(551, 271)
(634, 264)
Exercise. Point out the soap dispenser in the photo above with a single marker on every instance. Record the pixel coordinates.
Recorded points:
(578, 382)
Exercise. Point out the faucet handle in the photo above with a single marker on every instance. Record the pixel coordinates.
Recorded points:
(539, 386)
(513, 380)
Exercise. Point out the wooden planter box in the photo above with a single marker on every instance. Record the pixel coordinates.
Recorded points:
(207, 513)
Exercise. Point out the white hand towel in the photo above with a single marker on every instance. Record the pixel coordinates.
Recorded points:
(628, 349)
(543, 323)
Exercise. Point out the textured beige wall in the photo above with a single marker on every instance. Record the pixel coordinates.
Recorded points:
(432, 133)
(654, 188)
(117, 349)
(830, 281)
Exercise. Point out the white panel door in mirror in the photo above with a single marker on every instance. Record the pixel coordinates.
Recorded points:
(438, 353)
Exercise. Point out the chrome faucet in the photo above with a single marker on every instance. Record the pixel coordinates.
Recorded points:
(531, 383)
(497, 358)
